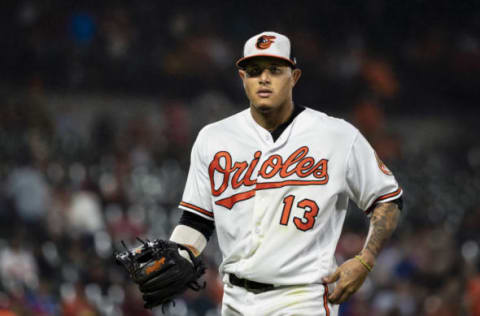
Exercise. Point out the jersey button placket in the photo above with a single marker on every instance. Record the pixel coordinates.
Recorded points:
(259, 206)
(259, 212)
(260, 195)
(268, 139)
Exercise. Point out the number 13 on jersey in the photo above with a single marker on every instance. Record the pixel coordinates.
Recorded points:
(302, 223)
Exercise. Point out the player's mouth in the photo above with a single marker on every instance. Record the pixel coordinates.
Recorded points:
(264, 93)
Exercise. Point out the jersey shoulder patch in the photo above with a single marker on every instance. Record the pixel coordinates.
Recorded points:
(382, 166)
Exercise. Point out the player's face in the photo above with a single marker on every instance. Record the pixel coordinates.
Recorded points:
(268, 83)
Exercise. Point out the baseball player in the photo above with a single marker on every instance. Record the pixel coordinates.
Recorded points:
(274, 181)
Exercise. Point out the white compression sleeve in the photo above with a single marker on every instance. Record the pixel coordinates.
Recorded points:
(186, 235)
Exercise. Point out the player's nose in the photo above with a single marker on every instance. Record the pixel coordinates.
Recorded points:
(264, 76)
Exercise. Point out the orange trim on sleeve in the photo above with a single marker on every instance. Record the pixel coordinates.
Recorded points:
(196, 208)
(384, 197)
(389, 195)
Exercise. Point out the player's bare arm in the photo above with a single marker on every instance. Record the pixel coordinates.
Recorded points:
(383, 222)
(352, 273)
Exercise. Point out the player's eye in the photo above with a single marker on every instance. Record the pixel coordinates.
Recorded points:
(275, 69)
(253, 71)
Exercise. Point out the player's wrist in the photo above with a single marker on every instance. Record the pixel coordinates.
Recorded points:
(367, 257)
(194, 250)
(190, 238)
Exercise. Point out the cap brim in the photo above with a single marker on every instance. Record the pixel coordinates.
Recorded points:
(242, 60)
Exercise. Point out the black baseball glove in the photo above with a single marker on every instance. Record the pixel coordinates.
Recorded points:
(160, 271)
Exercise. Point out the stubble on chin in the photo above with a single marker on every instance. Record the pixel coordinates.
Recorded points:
(263, 109)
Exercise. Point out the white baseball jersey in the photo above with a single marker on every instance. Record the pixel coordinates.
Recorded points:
(279, 207)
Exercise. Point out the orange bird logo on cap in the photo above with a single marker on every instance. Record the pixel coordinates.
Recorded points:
(265, 41)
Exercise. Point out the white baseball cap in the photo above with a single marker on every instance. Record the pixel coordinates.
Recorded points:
(269, 44)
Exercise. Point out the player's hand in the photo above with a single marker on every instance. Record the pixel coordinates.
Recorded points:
(350, 276)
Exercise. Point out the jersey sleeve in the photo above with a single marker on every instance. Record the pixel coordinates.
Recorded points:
(197, 196)
(369, 181)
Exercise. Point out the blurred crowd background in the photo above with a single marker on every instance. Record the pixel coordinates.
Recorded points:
(100, 103)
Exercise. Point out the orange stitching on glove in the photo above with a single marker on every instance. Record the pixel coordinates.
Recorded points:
(155, 266)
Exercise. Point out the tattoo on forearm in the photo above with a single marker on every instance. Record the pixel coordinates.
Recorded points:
(383, 222)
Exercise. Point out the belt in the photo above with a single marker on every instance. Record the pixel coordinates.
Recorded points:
(251, 286)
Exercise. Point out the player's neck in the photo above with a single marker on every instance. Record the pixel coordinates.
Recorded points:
(272, 119)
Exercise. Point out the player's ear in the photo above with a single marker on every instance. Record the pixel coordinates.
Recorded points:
(296, 74)
(242, 74)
